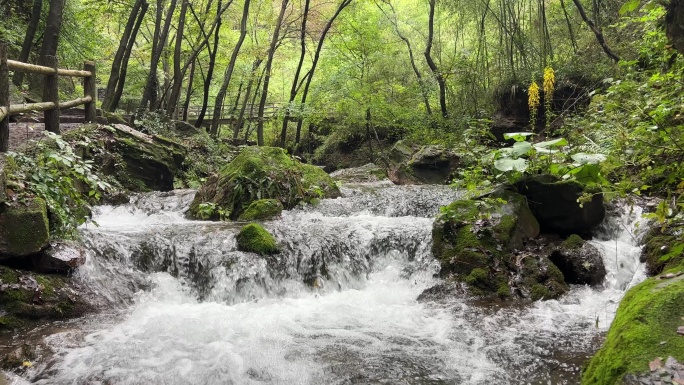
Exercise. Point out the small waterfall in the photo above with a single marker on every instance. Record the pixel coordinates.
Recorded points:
(338, 305)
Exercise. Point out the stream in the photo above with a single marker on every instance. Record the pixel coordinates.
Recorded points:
(338, 305)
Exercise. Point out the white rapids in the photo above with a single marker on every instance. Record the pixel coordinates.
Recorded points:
(187, 308)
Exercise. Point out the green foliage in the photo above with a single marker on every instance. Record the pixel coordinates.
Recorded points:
(63, 179)
(210, 210)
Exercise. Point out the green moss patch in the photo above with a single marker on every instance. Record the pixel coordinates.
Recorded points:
(644, 328)
(25, 227)
(574, 241)
(254, 238)
(262, 209)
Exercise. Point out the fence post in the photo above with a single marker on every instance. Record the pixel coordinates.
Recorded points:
(4, 98)
(51, 94)
(90, 89)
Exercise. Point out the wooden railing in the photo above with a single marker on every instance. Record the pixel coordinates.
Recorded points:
(50, 104)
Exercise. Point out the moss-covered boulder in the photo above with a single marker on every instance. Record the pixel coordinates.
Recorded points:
(255, 239)
(421, 164)
(645, 327)
(262, 210)
(579, 261)
(366, 173)
(139, 162)
(27, 296)
(262, 173)
(24, 228)
(556, 204)
(663, 249)
(480, 242)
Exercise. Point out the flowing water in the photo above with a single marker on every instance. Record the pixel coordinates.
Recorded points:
(338, 305)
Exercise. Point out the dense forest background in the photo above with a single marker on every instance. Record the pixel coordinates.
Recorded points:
(322, 77)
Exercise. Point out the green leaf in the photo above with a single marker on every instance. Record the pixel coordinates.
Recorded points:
(508, 164)
(552, 143)
(518, 136)
(583, 158)
(629, 6)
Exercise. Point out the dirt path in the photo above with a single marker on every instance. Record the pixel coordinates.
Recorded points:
(20, 133)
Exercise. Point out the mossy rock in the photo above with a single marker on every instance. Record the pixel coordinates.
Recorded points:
(645, 327)
(429, 164)
(554, 202)
(24, 228)
(263, 173)
(573, 242)
(475, 242)
(254, 238)
(26, 296)
(663, 251)
(114, 118)
(139, 162)
(262, 210)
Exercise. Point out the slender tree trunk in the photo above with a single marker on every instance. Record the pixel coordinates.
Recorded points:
(251, 106)
(53, 27)
(431, 63)
(220, 97)
(115, 72)
(172, 101)
(267, 75)
(309, 76)
(569, 24)
(121, 76)
(241, 117)
(210, 71)
(152, 85)
(294, 88)
(26, 47)
(188, 92)
(416, 71)
(597, 32)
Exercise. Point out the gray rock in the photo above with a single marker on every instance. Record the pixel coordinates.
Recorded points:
(421, 165)
(58, 258)
(366, 173)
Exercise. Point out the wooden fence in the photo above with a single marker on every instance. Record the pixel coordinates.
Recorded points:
(50, 104)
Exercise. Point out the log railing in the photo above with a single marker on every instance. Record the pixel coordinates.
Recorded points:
(50, 106)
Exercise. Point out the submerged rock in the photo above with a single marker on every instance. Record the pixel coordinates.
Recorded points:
(262, 173)
(480, 242)
(421, 165)
(254, 238)
(579, 261)
(555, 204)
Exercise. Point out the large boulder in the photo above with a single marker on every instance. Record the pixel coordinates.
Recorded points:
(421, 165)
(366, 173)
(479, 242)
(579, 261)
(24, 228)
(139, 162)
(555, 204)
(261, 173)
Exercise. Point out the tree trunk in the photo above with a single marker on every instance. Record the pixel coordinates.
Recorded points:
(152, 85)
(309, 76)
(26, 47)
(267, 75)
(220, 97)
(121, 76)
(115, 72)
(251, 106)
(431, 63)
(188, 92)
(406, 41)
(172, 101)
(597, 32)
(294, 89)
(241, 118)
(210, 71)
